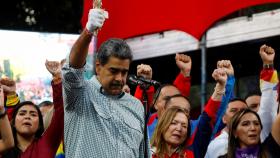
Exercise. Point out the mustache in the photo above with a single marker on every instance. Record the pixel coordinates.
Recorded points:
(116, 84)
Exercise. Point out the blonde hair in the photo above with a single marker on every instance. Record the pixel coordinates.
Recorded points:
(164, 122)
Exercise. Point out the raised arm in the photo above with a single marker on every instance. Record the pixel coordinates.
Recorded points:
(268, 86)
(74, 68)
(211, 108)
(54, 68)
(145, 71)
(79, 51)
(227, 66)
(220, 76)
(208, 116)
(183, 80)
(12, 99)
(54, 132)
(7, 140)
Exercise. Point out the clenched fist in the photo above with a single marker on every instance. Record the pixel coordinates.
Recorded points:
(8, 85)
(267, 54)
(96, 18)
(54, 67)
(145, 71)
(226, 65)
(220, 76)
(184, 63)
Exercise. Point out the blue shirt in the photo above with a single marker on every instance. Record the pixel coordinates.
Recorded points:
(99, 125)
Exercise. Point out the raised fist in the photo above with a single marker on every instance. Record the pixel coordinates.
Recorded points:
(226, 65)
(145, 71)
(267, 54)
(96, 18)
(8, 85)
(220, 76)
(54, 67)
(184, 63)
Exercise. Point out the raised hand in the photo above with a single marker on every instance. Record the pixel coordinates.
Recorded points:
(6, 140)
(220, 76)
(54, 67)
(226, 65)
(8, 85)
(267, 54)
(184, 63)
(96, 18)
(145, 71)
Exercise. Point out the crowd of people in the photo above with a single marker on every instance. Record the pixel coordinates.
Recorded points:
(34, 90)
(98, 117)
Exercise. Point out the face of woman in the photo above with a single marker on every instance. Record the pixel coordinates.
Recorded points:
(177, 131)
(27, 120)
(248, 130)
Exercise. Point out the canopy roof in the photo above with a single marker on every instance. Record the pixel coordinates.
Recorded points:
(131, 18)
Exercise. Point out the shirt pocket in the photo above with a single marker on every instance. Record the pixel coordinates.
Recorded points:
(133, 136)
(100, 110)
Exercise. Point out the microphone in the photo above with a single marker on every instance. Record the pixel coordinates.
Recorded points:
(140, 80)
(151, 82)
(132, 79)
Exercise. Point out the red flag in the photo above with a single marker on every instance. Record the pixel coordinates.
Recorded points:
(130, 18)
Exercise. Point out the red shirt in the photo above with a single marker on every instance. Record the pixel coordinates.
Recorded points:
(46, 146)
(187, 154)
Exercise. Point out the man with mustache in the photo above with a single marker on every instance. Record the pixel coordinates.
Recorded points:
(100, 119)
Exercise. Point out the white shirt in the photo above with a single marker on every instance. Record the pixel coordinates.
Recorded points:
(218, 146)
(268, 107)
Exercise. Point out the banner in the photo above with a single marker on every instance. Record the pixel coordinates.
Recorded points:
(130, 18)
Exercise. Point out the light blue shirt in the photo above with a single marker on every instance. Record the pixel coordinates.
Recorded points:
(98, 125)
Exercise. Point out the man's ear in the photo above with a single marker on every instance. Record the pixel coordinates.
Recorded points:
(97, 66)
